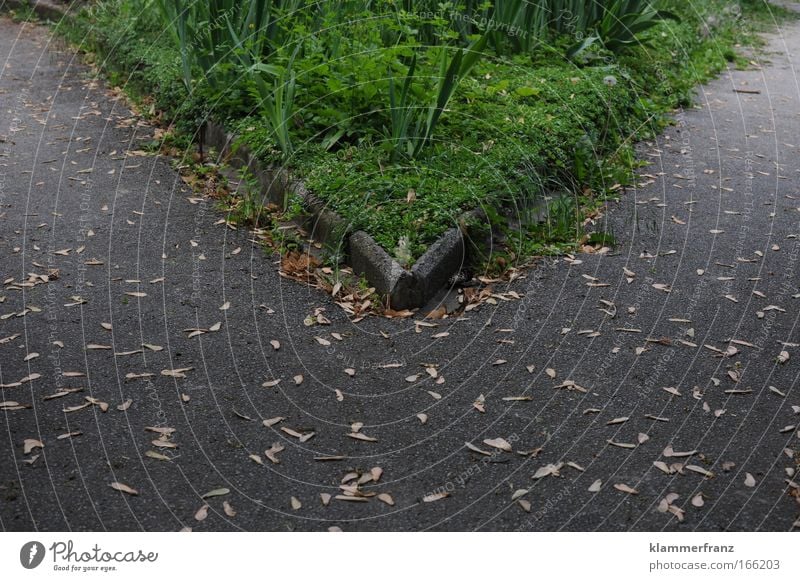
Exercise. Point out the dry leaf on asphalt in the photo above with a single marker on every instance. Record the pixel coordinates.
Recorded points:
(477, 450)
(181, 372)
(273, 451)
(31, 444)
(272, 421)
(228, 509)
(201, 513)
(387, 498)
(626, 489)
(124, 488)
(498, 443)
(435, 497)
(362, 437)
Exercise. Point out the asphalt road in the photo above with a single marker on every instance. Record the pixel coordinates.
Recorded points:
(665, 352)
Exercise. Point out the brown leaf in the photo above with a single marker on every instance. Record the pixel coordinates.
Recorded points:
(477, 450)
(156, 456)
(68, 435)
(670, 453)
(662, 466)
(29, 444)
(625, 488)
(699, 470)
(387, 498)
(228, 509)
(201, 513)
(617, 421)
(271, 453)
(124, 488)
(499, 443)
(181, 372)
(362, 437)
(548, 470)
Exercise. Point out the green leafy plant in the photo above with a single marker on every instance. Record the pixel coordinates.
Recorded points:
(220, 37)
(624, 20)
(277, 99)
(563, 221)
(413, 122)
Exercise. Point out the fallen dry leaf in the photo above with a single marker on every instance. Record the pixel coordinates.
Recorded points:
(124, 488)
(625, 488)
(498, 443)
(201, 513)
(387, 498)
(30, 444)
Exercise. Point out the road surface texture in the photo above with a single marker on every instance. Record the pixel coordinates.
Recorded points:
(644, 389)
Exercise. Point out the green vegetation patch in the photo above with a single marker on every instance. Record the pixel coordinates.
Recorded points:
(401, 116)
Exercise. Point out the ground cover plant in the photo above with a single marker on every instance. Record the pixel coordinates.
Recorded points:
(402, 115)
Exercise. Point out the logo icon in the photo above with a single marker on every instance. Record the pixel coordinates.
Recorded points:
(31, 554)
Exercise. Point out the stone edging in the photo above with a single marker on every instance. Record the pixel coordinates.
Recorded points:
(405, 289)
(43, 8)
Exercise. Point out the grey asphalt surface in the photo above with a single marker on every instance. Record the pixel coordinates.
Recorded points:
(728, 174)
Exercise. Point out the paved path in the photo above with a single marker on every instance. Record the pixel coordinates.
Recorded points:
(100, 249)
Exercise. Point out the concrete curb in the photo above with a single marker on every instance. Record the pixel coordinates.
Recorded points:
(406, 289)
(43, 8)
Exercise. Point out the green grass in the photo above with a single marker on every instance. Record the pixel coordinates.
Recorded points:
(522, 125)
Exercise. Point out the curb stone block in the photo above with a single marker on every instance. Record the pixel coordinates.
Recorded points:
(43, 8)
(405, 289)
